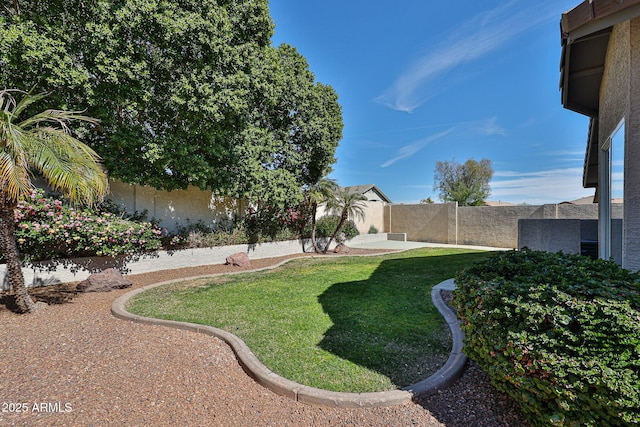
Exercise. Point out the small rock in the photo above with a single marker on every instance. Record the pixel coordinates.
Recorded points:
(240, 259)
(41, 305)
(341, 249)
(105, 281)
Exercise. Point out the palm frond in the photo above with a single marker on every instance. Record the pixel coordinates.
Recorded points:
(57, 117)
(15, 181)
(44, 142)
(68, 165)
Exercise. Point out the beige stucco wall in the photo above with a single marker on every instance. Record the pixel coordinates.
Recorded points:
(181, 207)
(374, 217)
(433, 223)
(178, 207)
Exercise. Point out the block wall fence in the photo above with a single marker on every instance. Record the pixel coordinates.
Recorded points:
(495, 226)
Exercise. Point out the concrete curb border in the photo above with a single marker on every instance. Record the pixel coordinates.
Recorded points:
(444, 377)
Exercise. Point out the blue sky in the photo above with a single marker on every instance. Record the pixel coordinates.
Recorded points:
(421, 82)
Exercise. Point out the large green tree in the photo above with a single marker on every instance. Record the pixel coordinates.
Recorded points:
(467, 184)
(40, 143)
(188, 92)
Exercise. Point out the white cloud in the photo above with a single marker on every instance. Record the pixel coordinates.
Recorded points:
(411, 149)
(539, 187)
(472, 40)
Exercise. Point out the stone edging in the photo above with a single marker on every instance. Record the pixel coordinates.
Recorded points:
(452, 369)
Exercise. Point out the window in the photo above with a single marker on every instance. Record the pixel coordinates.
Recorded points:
(611, 173)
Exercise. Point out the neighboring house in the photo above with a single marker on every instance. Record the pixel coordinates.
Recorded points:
(587, 201)
(497, 203)
(370, 191)
(600, 78)
(373, 209)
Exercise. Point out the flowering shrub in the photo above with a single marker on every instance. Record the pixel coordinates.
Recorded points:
(48, 229)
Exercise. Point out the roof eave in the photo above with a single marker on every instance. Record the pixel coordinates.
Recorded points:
(585, 32)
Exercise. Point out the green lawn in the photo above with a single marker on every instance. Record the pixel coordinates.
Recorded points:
(353, 324)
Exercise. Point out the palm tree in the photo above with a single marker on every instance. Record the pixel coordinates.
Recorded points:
(350, 205)
(321, 192)
(42, 143)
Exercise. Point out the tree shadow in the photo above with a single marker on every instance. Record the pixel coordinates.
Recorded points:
(51, 289)
(388, 323)
(52, 294)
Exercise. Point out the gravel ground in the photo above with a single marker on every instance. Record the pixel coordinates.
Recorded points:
(74, 364)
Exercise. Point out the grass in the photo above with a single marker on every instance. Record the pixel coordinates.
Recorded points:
(356, 324)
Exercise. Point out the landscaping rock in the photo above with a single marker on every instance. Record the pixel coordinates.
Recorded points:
(341, 249)
(105, 281)
(240, 259)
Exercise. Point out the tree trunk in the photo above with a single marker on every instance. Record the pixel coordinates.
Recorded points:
(314, 209)
(343, 219)
(12, 257)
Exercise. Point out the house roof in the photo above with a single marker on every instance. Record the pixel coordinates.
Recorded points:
(362, 189)
(582, 201)
(585, 32)
(589, 200)
(497, 203)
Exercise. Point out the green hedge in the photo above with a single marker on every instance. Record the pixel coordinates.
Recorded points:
(558, 333)
(326, 225)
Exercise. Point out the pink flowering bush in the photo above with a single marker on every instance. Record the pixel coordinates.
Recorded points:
(46, 228)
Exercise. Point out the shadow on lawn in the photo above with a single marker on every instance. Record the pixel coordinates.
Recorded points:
(388, 323)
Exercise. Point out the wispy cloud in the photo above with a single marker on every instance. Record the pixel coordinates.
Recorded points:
(539, 187)
(411, 149)
(472, 40)
(491, 127)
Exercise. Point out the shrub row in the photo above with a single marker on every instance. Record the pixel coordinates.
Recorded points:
(559, 333)
(46, 228)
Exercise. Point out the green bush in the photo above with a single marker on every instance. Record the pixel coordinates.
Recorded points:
(559, 333)
(273, 223)
(373, 230)
(201, 235)
(326, 225)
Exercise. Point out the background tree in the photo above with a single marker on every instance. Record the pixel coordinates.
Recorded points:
(467, 184)
(349, 205)
(187, 93)
(42, 143)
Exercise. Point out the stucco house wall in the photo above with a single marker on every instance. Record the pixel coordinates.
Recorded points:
(620, 99)
(631, 222)
(373, 216)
